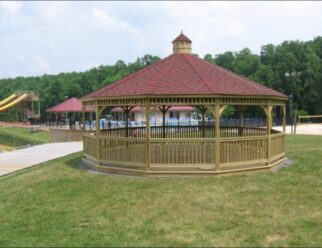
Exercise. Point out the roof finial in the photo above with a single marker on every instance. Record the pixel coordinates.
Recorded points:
(181, 32)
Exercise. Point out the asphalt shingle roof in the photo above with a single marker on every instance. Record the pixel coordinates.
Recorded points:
(184, 74)
(70, 105)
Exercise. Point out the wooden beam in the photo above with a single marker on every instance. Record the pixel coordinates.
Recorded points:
(127, 110)
(98, 132)
(241, 110)
(164, 110)
(203, 111)
(84, 118)
(217, 135)
(268, 111)
(148, 136)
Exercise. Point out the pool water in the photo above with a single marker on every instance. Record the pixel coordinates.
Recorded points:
(9, 143)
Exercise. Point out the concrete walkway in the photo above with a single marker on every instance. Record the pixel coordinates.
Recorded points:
(24, 158)
(312, 129)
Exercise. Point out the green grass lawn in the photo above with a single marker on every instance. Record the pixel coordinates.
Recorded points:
(58, 204)
(26, 134)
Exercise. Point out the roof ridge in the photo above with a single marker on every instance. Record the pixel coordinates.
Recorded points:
(197, 73)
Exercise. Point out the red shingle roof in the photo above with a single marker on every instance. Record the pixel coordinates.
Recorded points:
(183, 74)
(70, 105)
(182, 37)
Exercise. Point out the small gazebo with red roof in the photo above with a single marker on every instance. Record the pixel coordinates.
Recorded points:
(183, 79)
(71, 105)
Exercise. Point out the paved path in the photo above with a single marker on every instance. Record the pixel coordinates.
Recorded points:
(314, 129)
(24, 158)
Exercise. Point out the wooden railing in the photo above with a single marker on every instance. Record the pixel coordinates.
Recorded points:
(178, 152)
(65, 135)
(188, 153)
(189, 132)
(169, 132)
(91, 146)
(129, 151)
(244, 150)
(277, 145)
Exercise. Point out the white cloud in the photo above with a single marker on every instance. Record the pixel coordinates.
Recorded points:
(55, 48)
(108, 21)
(11, 7)
(53, 37)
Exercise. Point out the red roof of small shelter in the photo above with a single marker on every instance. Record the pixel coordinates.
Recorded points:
(70, 105)
(184, 74)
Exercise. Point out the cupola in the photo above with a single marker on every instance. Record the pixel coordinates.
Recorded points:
(182, 44)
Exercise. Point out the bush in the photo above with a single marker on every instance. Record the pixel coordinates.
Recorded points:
(301, 112)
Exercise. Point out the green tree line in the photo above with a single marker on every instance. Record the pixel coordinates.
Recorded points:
(292, 67)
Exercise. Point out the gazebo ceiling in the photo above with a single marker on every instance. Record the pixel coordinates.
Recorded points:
(183, 73)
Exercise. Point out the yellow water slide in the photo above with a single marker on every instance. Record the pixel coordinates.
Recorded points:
(8, 99)
(4, 148)
(14, 102)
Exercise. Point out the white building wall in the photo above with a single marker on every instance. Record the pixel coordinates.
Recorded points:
(156, 115)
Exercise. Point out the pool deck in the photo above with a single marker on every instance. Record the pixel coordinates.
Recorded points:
(21, 159)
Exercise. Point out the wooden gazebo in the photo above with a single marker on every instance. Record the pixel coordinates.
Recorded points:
(183, 79)
(68, 130)
(70, 106)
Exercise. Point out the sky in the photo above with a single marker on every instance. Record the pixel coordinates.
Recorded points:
(39, 38)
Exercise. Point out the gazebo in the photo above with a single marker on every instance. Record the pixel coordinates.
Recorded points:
(183, 79)
(70, 106)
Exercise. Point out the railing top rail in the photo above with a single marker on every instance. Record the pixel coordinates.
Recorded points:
(262, 137)
(122, 138)
(155, 140)
(90, 136)
(69, 130)
(277, 135)
(183, 126)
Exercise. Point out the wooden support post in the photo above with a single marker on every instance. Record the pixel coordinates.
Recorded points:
(66, 118)
(269, 130)
(56, 114)
(90, 121)
(203, 123)
(148, 136)
(217, 135)
(241, 110)
(164, 110)
(203, 111)
(84, 119)
(98, 132)
(127, 111)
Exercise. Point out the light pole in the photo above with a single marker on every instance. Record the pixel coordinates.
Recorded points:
(290, 75)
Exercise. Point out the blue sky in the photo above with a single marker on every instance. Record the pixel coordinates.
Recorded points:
(52, 37)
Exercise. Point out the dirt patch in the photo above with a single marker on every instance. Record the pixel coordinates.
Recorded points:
(274, 238)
